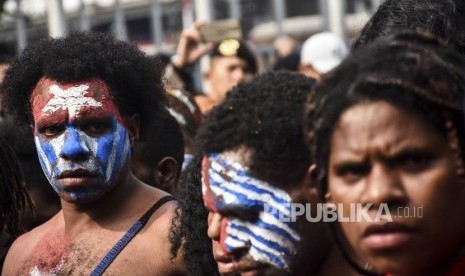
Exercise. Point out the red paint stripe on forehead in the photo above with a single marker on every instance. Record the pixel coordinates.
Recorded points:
(97, 89)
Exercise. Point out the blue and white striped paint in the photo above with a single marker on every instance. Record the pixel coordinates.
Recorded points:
(102, 155)
(268, 239)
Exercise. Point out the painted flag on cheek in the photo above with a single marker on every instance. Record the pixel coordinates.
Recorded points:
(269, 239)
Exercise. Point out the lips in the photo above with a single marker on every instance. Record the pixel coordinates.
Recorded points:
(232, 264)
(387, 236)
(78, 173)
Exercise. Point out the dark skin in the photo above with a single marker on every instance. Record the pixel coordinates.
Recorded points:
(75, 240)
(384, 154)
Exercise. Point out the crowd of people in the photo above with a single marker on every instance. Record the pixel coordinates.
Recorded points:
(339, 161)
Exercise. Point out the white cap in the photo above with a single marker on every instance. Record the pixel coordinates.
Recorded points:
(323, 51)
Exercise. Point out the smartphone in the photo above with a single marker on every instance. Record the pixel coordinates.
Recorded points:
(221, 30)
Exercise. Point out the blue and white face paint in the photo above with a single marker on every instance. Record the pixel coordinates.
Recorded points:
(80, 138)
(228, 188)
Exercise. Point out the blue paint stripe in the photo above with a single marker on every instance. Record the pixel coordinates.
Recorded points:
(275, 259)
(271, 244)
(246, 186)
(48, 151)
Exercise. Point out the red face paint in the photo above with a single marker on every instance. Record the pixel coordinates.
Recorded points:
(57, 103)
(208, 197)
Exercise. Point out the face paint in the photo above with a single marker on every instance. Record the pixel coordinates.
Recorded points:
(80, 138)
(227, 187)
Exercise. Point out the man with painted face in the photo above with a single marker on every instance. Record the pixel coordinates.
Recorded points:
(251, 160)
(89, 98)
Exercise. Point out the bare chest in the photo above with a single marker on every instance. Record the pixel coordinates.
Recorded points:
(82, 255)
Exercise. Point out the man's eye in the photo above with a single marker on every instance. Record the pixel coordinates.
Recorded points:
(352, 173)
(96, 128)
(51, 131)
(415, 163)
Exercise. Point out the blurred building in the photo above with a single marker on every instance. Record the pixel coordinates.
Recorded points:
(262, 20)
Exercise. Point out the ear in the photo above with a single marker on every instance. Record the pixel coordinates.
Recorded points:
(167, 173)
(133, 127)
(308, 192)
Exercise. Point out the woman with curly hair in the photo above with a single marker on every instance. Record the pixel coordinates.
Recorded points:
(386, 129)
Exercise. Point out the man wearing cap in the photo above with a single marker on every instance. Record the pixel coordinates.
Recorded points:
(320, 53)
(231, 61)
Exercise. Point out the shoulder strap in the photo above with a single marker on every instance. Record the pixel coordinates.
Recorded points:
(119, 246)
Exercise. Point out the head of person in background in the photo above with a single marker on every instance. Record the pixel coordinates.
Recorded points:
(320, 53)
(387, 132)
(443, 18)
(284, 46)
(158, 159)
(16, 207)
(290, 63)
(45, 199)
(182, 106)
(231, 61)
(250, 154)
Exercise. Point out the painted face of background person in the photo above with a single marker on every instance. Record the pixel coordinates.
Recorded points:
(80, 136)
(246, 236)
(383, 154)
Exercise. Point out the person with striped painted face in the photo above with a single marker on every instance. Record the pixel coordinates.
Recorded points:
(87, 111)
(251, 163)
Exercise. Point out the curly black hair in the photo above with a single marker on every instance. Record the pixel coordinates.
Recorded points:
(134, 79)
(264, 116)
(16, 207)
(414, 71)
(443, 18)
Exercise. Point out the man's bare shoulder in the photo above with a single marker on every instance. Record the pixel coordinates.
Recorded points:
(23, 247)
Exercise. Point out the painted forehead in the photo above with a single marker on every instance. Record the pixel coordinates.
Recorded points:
(50, 97)
(227, 183)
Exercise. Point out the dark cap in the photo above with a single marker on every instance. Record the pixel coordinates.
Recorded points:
(235, 48)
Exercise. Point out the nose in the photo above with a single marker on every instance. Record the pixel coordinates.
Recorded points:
(73, 146)
(383, 185)
(214, 226)
(239, 74)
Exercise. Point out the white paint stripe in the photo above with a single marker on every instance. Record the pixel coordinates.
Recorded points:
(42, 154)
(250, 180)
(71, 99)
(251, 195)
(255, 243)
(111, 159)
(269, 234)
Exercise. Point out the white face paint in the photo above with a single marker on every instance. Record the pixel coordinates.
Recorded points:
(71, 99)
(228, 187)
(79, 135)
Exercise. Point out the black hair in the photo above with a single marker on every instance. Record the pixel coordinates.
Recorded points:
(264, 116)
(443, 18)
(6, 53)
(18, 136)
(134, 80)
(413, 71)
(16, 207)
